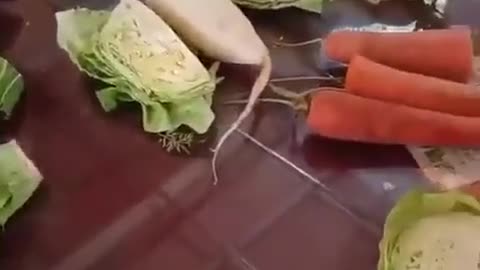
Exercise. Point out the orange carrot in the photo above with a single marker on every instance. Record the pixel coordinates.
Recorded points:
(372, 80)
(472, 189)
(445, 53)
(344, 116)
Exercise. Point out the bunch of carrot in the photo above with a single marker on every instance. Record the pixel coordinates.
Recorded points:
(401, 88)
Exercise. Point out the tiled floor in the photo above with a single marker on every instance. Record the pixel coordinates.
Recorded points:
(113, 199)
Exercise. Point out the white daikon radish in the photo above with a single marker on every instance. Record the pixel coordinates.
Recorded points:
(220, 30)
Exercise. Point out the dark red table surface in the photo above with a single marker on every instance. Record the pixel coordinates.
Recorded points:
(112, 198)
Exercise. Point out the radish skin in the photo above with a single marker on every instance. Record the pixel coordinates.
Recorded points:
(219, 30)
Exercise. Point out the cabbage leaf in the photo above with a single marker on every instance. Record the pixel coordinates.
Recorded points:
(310, 5)
(11, 88)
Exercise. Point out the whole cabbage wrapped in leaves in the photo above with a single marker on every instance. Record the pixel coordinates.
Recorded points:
(142, 60)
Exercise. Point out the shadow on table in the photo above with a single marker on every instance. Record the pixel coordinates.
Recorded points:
(353, 155)
(10, 33)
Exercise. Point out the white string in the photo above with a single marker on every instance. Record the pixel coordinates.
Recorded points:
(281, 158)
(326, 190)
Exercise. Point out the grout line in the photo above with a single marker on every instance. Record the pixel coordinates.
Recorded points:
(283, 159)
(88, 254)
(262, 226)
(248, 265)
(234, 255)
(231, 255)
(275, 215)
(325, 190)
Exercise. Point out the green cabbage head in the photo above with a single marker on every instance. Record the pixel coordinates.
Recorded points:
(432, 231)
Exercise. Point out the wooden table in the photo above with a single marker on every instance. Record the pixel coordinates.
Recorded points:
(113, 199)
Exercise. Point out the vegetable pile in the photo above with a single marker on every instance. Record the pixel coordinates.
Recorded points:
(418, 97)
(432, 231)
(141, 60)
(400, 88)
(135, 50)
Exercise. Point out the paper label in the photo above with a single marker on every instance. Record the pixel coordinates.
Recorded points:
(448, 168)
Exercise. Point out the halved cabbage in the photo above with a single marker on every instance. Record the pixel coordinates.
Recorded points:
(142, 59)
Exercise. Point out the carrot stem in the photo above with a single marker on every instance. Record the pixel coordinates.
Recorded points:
(265, 100)
(305, 78)
(283, 92)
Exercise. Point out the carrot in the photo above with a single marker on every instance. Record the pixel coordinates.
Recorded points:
(373, 80)
(341, 115)
(444, 53)
(472, 189)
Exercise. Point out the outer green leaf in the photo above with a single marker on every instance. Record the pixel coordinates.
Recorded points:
(156, 118)
(77, 32)
(18, 180)
(195, 113)
(11, 87)
(108, 98)
(412, 209)
(5, 196)
(310, 5)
